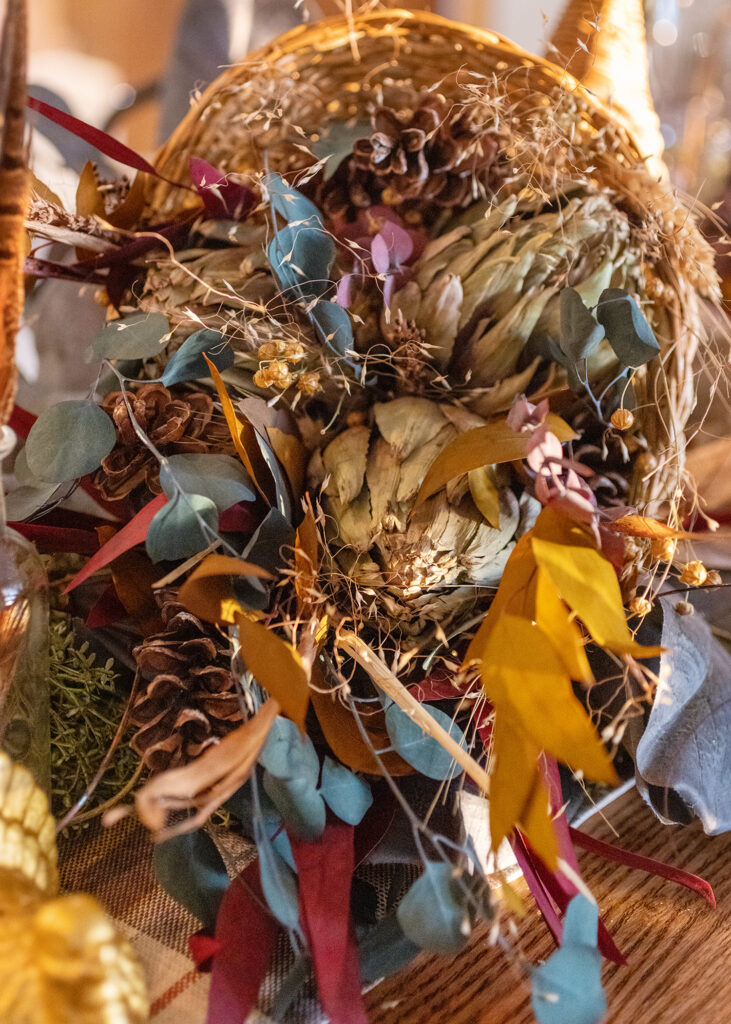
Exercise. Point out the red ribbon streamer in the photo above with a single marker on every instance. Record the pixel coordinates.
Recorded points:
(112, 148)
(133, 533)
(247, 934)
(325, 870)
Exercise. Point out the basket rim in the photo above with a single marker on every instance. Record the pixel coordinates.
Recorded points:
(347, 29)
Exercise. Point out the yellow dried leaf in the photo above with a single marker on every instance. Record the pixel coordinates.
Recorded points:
(483, 446)
(554, 618)
(44, 192)
(208, 592)
(89, 200)
(536, 824)
(525, 678)
(306, 556)
(515, 762)
(514, 595)
(586, 581)
(243, 436)
(485, 494)
(277, 666)
(292, 456)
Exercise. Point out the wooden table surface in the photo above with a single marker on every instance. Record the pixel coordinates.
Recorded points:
(678, 947)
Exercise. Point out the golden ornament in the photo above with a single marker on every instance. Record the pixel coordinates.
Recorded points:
(62, 961)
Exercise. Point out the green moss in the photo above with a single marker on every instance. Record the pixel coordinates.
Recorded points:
(87, 704)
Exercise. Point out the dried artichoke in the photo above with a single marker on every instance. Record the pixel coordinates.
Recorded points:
(485, 293)
(409, 566)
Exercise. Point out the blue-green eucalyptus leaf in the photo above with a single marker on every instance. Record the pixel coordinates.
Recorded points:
(188, 362)
(385, 950)
(190, 868)
(334, 327)
(268, 548)
(218, 477)
(346, 794)
(420, 750)
(69, 440)
(433, 913)
(136, 336)
(277, 880)
(299, 803)
(628, 332)
(288, 202)
(25, 500)
(684, 750)
(176, 530)
(567, 988)
(580, 332)
(287, 754)
(302, 257)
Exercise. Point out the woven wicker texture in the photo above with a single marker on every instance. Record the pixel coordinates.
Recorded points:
(602, 43)
(317, 80)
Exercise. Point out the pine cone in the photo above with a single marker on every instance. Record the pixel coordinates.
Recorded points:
(174, 423)
(189, 701)
(436, 153)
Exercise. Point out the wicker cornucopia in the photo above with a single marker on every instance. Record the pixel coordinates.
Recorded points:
(399, 395)
(316, 82)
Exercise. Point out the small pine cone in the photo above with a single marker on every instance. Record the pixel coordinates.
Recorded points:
(187, 698)
(174, 421)
(437, 152)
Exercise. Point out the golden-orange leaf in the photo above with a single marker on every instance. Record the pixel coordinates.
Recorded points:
(277, 666)
(553, 617)
(643, 526)
(345, 739)
(306, 555)
(208, 592)
(243, 436)
(483, 446)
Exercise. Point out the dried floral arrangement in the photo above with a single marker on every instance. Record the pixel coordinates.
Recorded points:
(395, 379)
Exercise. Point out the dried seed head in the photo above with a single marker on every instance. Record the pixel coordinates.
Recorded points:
(275, 375)
(622, 419)
(271, 350)
(714, 579)
(654, 287)
(694, 574)
(663, 549)
(646, 462)
(684, 608)
(293, 352)
(309, 383)
(640, 606)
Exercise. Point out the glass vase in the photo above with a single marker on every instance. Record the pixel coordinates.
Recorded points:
(24, 680)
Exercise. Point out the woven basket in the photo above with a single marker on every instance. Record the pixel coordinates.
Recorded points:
(313, 79)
